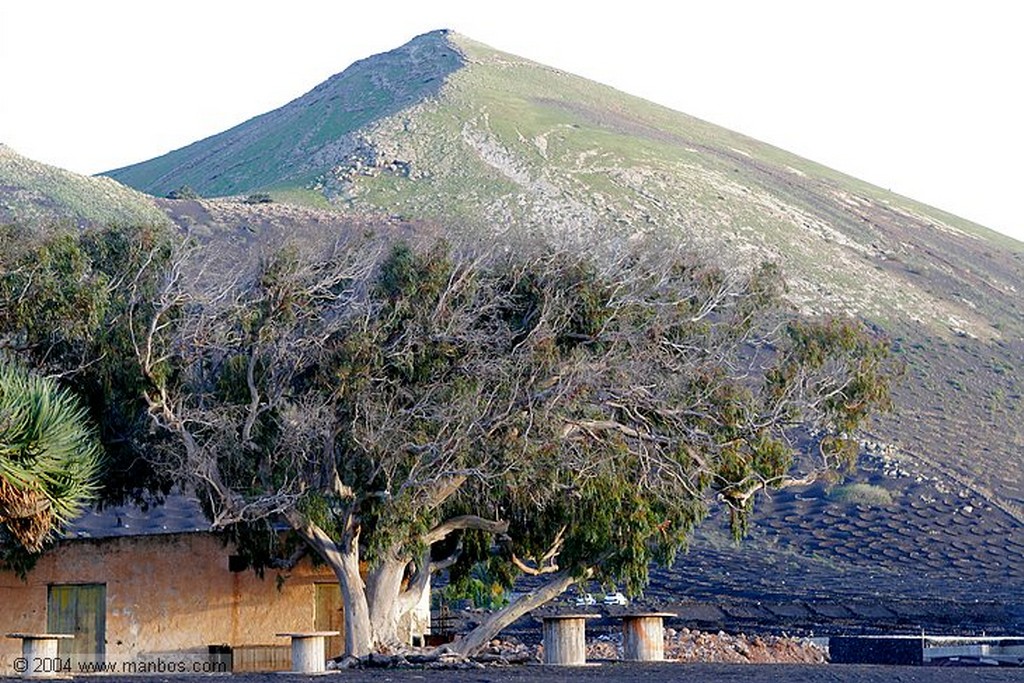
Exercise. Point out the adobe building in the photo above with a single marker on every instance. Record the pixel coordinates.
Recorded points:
(131, 584)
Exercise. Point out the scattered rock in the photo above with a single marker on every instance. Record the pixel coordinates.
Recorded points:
(696, 646)
(498, 652)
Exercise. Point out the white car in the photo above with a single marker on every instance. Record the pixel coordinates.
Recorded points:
(616, 598)
(585, 600)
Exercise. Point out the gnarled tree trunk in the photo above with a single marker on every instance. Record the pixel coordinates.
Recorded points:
(343, 559)
(383, 588)
(475, 640)
(393, 597)
(358, 632)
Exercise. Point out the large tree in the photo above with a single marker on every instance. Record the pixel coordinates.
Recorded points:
(416, 408)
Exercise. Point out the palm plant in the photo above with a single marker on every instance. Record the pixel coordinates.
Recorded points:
(49, 456)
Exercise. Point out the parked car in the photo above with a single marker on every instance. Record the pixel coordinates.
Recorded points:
(616, 598)
(585, 600)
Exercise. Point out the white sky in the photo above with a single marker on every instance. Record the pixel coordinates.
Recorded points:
(924, 98)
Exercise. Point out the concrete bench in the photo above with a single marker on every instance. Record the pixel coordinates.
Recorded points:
(565, 639)
(39, 652)
(643, 636)
(308, 655)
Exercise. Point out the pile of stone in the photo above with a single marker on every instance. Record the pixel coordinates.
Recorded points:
(497, 652)
(686, 645)
(509, 651)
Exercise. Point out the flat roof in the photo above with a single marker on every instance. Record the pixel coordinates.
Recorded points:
(176, 515)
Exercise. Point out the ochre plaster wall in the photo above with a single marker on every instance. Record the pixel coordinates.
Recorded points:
(170, 593)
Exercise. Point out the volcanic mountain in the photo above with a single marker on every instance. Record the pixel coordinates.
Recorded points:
(452, 133)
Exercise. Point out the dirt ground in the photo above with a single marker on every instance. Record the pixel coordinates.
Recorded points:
(640, 673)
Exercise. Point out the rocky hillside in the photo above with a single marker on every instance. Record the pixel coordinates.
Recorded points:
(292, 146)
(447, 128)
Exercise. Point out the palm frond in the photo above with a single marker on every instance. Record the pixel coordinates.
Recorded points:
(49, 456)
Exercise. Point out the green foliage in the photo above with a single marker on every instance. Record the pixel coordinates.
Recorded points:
(407, 277)
(258, 198)
(320, 508)
(14, 557)
(477, 586)
(598, 409)
(862, 494)
(260, 545)
(828, 376)
(53, 290)
(66, 299)
(49, 456)
(183, 192)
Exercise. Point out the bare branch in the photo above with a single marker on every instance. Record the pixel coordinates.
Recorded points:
(462, 523)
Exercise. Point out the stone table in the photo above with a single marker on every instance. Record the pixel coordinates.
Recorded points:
(308, 650)
(39, 652)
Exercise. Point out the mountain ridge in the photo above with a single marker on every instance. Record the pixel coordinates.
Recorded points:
(325, 116)
(437, 155)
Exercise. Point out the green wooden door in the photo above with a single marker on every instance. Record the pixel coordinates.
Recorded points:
(330, 616)
(80, 609)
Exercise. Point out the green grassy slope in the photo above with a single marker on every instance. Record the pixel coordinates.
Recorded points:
(36, 195)
(513, 143)
(286, 147)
